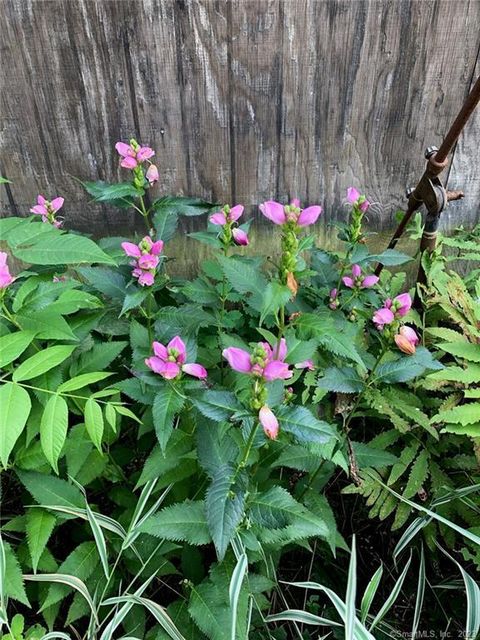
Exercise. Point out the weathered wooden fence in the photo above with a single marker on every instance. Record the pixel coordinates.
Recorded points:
(244, 100)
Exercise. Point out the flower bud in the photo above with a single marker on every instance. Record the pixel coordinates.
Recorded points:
(152, 174)
(269, 422)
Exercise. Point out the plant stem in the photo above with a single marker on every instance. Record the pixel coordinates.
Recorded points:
(145, 215)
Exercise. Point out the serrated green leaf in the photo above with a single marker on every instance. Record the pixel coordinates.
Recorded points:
(304, 426)
(15, 408)
(276, 295)
(50, 490)
(98, 358)
(38, 529)
(167, 404)
(82, 381)
(53, 429)
(466, 350)
(341, 379)
(465, 414)
(46, 325)
(224, 503)
(184, 521)
(406, 367)
(217, 405)
(66, 248)
(13, 586)
(245, 279)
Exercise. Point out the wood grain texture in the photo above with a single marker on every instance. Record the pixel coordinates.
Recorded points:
(244, 100)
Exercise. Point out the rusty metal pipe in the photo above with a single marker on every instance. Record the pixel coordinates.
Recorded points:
(436, 163)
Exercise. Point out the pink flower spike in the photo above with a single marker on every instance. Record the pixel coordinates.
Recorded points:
(282, 351)
(306, 364)
(295, 202)
(148, 261)
(160, 350)
(156, 248)
(177, 344)
(274, 211)
(364, 206)
(404, 344)
(128, 163)
(356, 271)
(235, 212)
(238, 359)
(124, 149)
(56, 204)
(269, 422)
(277, 370)
(348, 282)
(168, 370)
(146, 279)
(41, 199)
(403, 304)
(240, 237)
(195, 370)
(144, 153)
(382, 317)
(131, 249)
(152, 174)
(353, 195)
(369, 281)
(309, 215)
(218, 219)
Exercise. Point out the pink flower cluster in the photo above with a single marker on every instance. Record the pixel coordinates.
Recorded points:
(5, 277)
(169, 361)
(357, 281)
(392, 310)
(355, 198)
(226, 218)
(134, 155)
(333, 299)
(283, 214)
(146, 259)
(47, 209)
(265, 362)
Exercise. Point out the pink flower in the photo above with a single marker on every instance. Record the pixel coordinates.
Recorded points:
(306, 364)
(239, 236)
(5, 277)
(152, 174)
(221, 218)
(333, 301)
(169, 361)
(356, 198)
(402, 304)
(280, 214)
(265, 361)
(48, 209)
(407, 340)
(383, 316)
(133, 154)
(356, 281)
(269, 422)
(146, 259)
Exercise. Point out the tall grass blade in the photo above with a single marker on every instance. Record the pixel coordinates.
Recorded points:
(420, 594)
(236, 582)
(351, 593)
(389, 602)
(369, 594)
(70, 581)
(297, 615)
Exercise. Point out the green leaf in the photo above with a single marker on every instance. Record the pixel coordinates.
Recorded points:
(369, 594)
(245, 278)
(82, 381)
(38, 529)
(134, 298)
(389, 258)
(42, 361)
(235, 588)
(466, 350)
(167, 404)
(406, 367)
(53, 429)
(464, 414)
(13, 587)
(341, 379)
(94, 422)
(104, 192)
(181, 522)
(370, 457)
(15, 406)
(306, 428)
(225, 502)
(62, 249)
(217, 405)
(50, 490)
(181, 205)
(107, 281)
(13, 345)
(98, 358)
(47, 325)
(276, 295)
(165, 223)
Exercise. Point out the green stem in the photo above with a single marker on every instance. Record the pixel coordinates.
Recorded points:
(149, 317)
(68, 395)
(281, 329)
(144, 213)
(246, 453)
